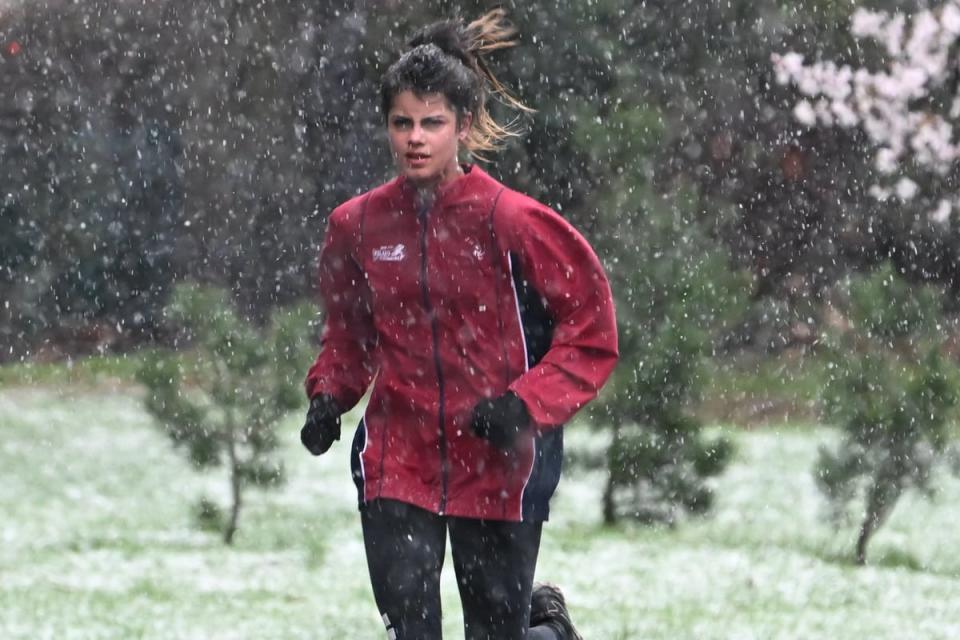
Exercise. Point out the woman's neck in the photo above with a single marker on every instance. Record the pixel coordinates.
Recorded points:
(426, 196)
(427, 193)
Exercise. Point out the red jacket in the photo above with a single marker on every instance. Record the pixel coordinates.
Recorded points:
(487, 291)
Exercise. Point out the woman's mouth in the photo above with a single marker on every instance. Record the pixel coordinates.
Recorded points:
(417, 159)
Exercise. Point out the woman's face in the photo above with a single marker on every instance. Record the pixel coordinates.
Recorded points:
(425, 137)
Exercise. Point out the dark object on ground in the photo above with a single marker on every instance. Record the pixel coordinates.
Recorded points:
(549, 608)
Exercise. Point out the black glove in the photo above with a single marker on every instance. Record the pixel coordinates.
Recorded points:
(500, 420)
(322, 426)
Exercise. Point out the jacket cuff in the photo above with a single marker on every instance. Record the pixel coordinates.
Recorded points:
(535, 425)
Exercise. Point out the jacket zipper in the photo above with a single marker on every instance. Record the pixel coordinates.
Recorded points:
(444, 465)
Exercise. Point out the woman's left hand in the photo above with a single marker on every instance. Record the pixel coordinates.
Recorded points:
(500, 420)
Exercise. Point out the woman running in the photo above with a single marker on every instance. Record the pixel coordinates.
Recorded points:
(486, 322)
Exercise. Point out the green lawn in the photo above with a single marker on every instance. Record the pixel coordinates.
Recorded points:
(97, 542)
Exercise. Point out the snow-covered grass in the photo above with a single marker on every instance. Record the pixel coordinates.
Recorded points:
(96, 542)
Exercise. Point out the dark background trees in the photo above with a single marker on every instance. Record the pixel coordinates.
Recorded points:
(145, 142)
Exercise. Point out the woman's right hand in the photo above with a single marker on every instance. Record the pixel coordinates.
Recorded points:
(322, 426)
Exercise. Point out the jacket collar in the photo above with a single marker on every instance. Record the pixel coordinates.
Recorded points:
(451, 191)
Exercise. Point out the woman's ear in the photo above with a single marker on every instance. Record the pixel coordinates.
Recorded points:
(463, 126)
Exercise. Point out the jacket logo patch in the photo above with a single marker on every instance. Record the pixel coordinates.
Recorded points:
(478, 252)
(390, 253)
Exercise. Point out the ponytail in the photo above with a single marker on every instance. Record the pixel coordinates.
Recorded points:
(449, 57)
(492, 32)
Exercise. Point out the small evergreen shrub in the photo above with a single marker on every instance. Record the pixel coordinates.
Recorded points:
(221, 401)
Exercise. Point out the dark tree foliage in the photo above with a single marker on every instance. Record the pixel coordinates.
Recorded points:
(92, 190)
(143, 142)
(675, 292)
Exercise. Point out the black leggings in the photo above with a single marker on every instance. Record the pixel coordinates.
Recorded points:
(493, 561)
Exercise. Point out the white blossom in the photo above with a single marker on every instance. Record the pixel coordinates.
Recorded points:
(941, 215)
(924, 35)
(886, 161)
(824, 114)
(879, 193)
(845, 116)
(886, 104)
(892, 36)
(931, 142)
(804, 113)
(906, 189)
(912, 81)
(928, 45)
(836, 83)
(787, 66)
(808, 81)
(950, 18)
(867, 24)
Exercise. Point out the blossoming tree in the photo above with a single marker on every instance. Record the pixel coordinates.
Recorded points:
(907, 109)
(892, 392)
